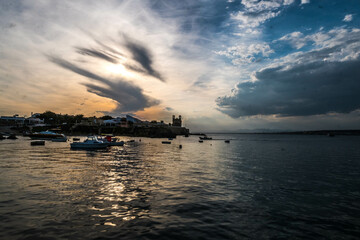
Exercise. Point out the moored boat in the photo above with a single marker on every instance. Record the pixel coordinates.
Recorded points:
(112, 141)
(12, 136)
(64, 139)
(46, 135)
(205, 138)
(92, 142)
(166, 142)
(37, 143)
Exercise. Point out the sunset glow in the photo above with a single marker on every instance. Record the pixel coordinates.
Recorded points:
(223, 65)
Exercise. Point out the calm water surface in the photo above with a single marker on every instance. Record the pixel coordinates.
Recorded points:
(256, 187)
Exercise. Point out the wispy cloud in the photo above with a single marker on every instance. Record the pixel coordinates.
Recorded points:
(243, 54)
(98, 54)
(348, 18)
(142, 55)
(305, 2)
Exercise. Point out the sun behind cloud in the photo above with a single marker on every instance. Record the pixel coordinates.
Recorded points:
(117, 69)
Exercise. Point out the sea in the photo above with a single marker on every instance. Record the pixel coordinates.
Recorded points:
(258, 186)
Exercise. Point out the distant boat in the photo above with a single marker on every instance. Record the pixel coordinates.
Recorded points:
(166, 142)
(64, 139)
(92, 142)
(200, 141)
(227, 141)
(37, 143)
(12, 136)
(46, 135)
(170, 138)
(205, 138)
(76, 139)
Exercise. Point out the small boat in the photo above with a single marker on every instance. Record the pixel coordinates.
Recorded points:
(201, 141)
(37, 143)
(114, 142)
(92, 142)
(76, 139)
(59, 139)
(227, 141)
(166, 142)
(46, 135)
(205, 138)
(170, 138)
(12, 136)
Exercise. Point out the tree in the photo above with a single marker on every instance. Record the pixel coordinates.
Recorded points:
(106, 117)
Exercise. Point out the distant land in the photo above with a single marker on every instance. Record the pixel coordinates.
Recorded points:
(350, 132)
(80, 125)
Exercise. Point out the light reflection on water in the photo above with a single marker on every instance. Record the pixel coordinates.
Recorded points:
(258, 186)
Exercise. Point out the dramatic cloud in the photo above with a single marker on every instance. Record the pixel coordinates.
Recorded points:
(129, 97)
(143, 56)
(98, 54)
(316, 82)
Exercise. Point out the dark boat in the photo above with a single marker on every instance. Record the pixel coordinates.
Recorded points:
(200, 141)
(227, 141)
(37, 143)
(12, 136)
(205, 138)
(166, 142)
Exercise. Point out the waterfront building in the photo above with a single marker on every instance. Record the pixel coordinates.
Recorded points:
(176, 122)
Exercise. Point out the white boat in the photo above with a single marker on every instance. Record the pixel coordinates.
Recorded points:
(46, 135)
(92, 142)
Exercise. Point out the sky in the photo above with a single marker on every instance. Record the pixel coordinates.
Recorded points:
(225, 66)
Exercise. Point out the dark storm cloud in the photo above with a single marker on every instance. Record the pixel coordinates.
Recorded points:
(307, 88)
(143, 56)
(98, 54)
(127, 95)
